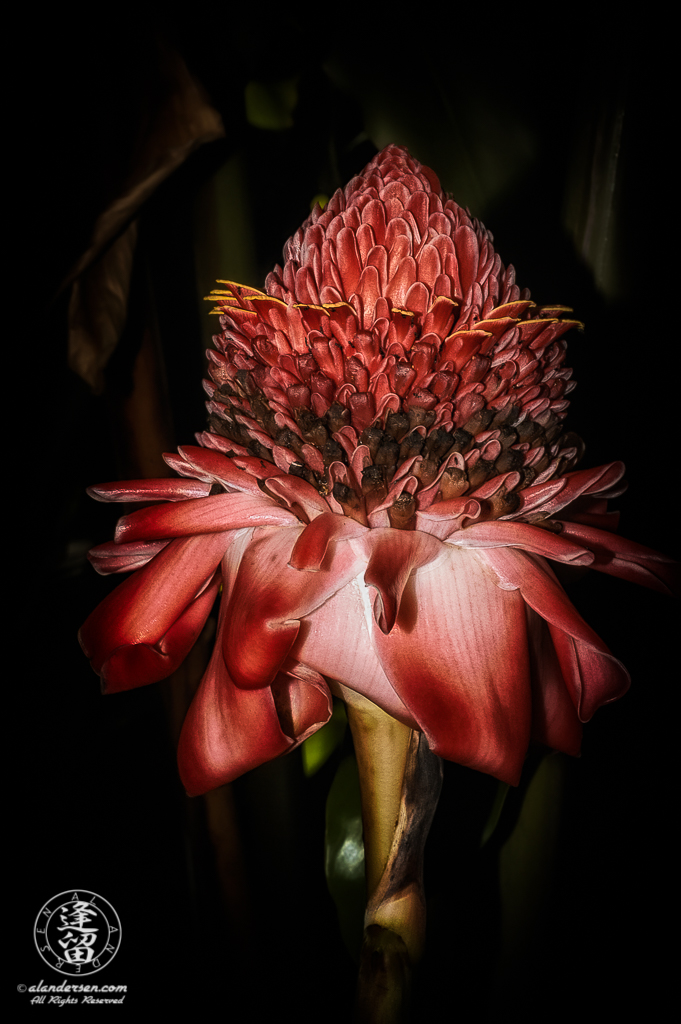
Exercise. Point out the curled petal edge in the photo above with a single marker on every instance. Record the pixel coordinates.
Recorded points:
(229, 730)
(592, 674)
(143, 630)
(625, 558)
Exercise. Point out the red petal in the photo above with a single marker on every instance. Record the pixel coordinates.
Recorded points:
(599, 481)
(149, 490)
(625, 558)
(143, 630)
(392, 556)
(202, 516)
(348, 259)
(592, 677)
(112, 557)
(445, 518)
(309, 550)
(212, 466)
(468, 254)
(298, 493)
(555, 722)
(498, 534)
(270, 598)
(536, 497)
(228, 730)
(591, 674)
(303, 701)
(458, 658)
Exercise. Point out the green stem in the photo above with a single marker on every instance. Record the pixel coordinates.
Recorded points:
(400, 782)
(381, 745)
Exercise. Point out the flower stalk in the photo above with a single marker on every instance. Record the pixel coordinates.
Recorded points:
(400, 782)
(381, 745)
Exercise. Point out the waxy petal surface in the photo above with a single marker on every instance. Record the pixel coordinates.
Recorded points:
(555, 722)
(144, 629)
(212, 467)
(593, 676)
(229, 730)
(270, 598)
(626, 559)
(202, 516)
(112, 557)
(336, 640)
(393, 554)
(601, 480)
(458, 658)
(498, 534)
(311, 546)
(150, 490)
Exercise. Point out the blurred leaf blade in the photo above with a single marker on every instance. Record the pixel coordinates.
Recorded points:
(344, 853)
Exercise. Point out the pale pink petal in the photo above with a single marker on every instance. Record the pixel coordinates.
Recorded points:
(335, 639)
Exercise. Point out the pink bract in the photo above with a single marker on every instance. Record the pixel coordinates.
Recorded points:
(385, 480)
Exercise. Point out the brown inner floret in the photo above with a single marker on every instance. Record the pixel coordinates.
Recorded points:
(492, 442)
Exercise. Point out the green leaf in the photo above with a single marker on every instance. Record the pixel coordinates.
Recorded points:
(344, 859)
(495, 813)
(317, 749)
(526, 862)
(270, 105)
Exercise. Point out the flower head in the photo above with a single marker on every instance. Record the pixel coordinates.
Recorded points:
(385, 476)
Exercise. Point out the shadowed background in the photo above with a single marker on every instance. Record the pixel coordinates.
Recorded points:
(173, 152)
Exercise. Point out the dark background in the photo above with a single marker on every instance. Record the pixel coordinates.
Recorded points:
(224, 899)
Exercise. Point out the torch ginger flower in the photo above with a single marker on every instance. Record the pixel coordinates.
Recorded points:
(384, 483)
